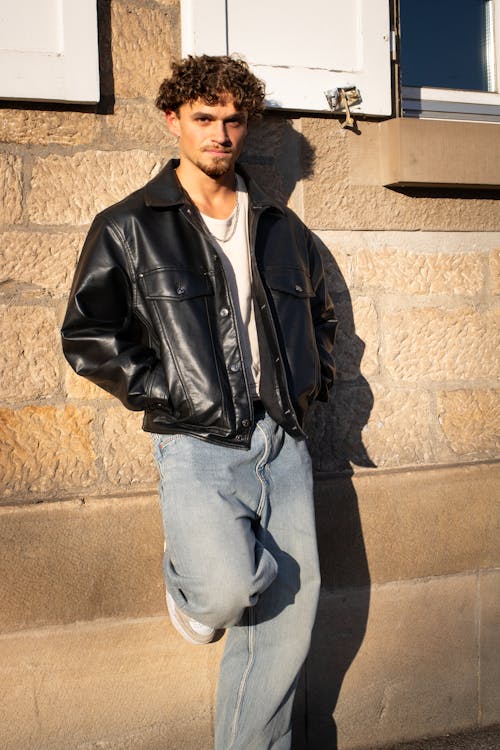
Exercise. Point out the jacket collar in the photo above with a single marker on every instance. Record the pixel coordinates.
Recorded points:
(165, 190)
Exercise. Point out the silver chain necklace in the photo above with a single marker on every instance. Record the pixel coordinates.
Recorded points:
(231, 228)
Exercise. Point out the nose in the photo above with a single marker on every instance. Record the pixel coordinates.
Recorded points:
(220, 134)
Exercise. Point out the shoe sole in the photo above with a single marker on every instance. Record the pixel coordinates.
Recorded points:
(178, 625)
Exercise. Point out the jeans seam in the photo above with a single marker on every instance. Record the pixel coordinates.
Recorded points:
(261, 479)
(244, 678)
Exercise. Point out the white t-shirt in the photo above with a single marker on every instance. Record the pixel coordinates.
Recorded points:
(231, 235)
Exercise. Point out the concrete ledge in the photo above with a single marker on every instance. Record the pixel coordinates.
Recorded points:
(400, 525)
(406, 642)
(108, 685)
(82, 560)
(407, 152)
(397, 662)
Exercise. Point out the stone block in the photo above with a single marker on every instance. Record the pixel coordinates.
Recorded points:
(407, 524)
(10, 189)
(277, 142)
(490, 647)
(494, 271)
(45, 261)
(332, 202)
(140, 123)
(356, 343)
(398, 271)
(45, 450)
(400, 428)
(109, 685)
(393, 663)
(144, 41)
(359, 252)
(28, 368)
(72, 189)
(335, 429)
(372, 426)
(420, 210)
(470, 420)
(126, 449)
(78, 387)
(422, 152)
(439, 344)
(336, 261)
(82, 559)
(269, 176)
(43, 127)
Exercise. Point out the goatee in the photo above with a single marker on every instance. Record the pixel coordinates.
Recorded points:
(215, 170)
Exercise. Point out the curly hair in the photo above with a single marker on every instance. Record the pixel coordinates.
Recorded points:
(207, 77)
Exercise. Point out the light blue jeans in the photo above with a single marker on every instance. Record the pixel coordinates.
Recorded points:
(241, 554)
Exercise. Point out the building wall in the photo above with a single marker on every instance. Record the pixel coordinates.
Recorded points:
(408, 544)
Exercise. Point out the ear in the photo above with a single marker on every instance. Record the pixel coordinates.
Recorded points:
(173, 123)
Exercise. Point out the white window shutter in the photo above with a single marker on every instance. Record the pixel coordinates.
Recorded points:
(300, 49)
(49, 51)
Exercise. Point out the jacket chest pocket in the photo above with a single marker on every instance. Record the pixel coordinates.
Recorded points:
(174, 285)
(293, 282)
(182, 306)
(181, 302)
(291, 292)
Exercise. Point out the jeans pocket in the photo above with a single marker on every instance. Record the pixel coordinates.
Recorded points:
(161, 443)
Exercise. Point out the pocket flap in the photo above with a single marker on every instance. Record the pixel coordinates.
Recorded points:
(293, 281)
(175, 284)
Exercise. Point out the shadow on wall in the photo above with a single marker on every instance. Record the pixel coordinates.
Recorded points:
(335, 438)
(279, 156)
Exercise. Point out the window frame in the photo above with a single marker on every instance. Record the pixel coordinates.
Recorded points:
(428, 102)
(204, 30)
(67, 75)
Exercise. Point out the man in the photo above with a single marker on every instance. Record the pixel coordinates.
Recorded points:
(202, 302)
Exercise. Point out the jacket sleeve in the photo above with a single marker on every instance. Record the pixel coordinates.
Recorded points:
(102, 339)
(325, 324)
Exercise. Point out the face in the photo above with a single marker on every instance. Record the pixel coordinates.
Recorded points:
(210, 137)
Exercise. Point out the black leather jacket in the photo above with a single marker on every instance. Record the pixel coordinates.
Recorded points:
(144, 316)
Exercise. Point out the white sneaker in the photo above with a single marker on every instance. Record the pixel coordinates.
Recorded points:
(191, 630)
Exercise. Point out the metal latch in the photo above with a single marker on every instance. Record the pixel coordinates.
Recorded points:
(340, 99)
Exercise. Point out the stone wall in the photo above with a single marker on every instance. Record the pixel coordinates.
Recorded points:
(62, 437)
(415, 414)
(414, 276)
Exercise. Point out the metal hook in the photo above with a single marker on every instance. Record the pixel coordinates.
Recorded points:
(340, 99)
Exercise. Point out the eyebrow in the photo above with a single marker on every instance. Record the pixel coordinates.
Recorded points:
(240, 116)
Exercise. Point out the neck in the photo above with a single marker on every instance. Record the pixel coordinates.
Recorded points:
(213, 196)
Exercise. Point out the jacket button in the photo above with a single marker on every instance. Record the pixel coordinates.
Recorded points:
(238, 438)
(180, 290)
(245, 423)
(235, 367)
(224, 312)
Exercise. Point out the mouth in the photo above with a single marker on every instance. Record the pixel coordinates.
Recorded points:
(217, 151)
